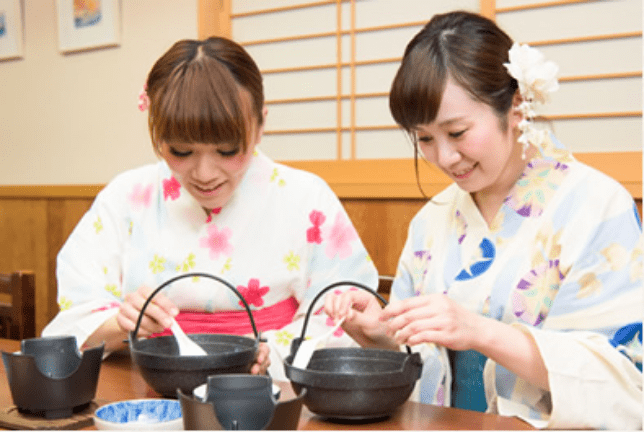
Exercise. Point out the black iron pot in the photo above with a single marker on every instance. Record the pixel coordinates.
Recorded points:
(166, 371)
(353, 383)
(49, 377)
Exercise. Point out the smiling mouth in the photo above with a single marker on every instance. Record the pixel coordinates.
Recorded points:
(208, 190)
(464, 173)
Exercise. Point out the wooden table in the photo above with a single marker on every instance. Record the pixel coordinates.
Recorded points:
(119, 380)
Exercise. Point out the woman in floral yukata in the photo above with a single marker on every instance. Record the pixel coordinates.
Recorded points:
(521, 283)
(214, 204)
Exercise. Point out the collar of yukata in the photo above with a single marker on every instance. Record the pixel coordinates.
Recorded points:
(211, 213)
(537, 78)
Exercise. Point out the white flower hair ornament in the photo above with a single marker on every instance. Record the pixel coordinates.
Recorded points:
(537, 78)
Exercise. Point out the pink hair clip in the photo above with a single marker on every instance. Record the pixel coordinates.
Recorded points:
(144, 100)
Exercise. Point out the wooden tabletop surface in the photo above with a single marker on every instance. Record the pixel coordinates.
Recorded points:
(120, 380)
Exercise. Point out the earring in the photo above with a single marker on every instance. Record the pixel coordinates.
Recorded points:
(523, 150)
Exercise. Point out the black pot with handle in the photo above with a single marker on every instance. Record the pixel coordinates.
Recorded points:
(360, 384)
(165, 370)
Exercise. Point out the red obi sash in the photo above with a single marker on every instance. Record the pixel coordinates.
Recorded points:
(237, 322)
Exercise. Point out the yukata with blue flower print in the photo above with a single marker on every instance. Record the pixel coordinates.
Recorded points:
(281, 238)
(562, 260)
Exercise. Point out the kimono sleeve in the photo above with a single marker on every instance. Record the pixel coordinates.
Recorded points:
(89, 268)
(591, 340)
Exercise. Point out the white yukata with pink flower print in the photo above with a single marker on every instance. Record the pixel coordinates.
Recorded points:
(562, 260)
(283, 234)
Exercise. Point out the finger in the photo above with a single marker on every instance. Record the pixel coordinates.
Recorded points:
(125, 324)
(262, 353)
(426, 336)
(411, 308)
(157, 303)
(164, 303)
(415, 318)
(262, 360)
(338, 304)
(421, 330)
(344, 304)
(331, 305)
(153, 311)
(129, 316)
(394, 309)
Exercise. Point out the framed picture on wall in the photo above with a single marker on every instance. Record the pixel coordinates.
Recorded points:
(11, 36)
(87, 24)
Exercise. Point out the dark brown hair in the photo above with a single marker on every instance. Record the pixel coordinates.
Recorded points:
(464, 46)
(196, 96)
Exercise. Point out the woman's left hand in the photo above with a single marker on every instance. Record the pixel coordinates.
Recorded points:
(433, 318)
(262, 360)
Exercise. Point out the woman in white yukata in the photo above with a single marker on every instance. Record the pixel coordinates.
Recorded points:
(521, 283)
(214, 204)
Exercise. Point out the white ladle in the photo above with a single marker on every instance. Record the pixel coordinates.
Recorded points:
(305, 351)
(187, 347)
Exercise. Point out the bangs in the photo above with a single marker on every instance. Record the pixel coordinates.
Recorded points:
(201, 103)
(417, 90)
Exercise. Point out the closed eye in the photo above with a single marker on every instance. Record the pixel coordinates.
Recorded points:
(424, 139)
(228, 153)
(457, 134)
(178, 153)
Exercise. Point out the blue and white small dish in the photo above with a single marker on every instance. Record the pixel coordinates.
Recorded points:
(137, 414)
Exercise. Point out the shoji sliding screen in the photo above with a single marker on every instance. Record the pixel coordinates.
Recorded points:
(328, 67)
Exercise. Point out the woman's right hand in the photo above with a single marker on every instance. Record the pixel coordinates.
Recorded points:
(361, 311)
(158, 313)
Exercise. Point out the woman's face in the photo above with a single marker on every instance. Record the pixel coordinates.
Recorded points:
(210, 172)
(466, 141)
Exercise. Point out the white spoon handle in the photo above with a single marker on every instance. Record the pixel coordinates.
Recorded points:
(306, 348)
(186, 345)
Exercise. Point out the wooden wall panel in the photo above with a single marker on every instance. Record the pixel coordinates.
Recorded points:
(382, 225)
(32, 231)
(23, 236)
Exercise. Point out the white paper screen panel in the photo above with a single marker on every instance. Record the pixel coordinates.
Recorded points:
(596, 96)
(378, 45)
(283, 24)
(372, 13)
(298, 52)
(597, 57)
(280, 55)
(600, 134)
(319, 114)
(289, 147)
(573, 20)
(304, 84)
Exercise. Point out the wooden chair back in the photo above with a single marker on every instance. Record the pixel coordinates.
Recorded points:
(18, 316)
